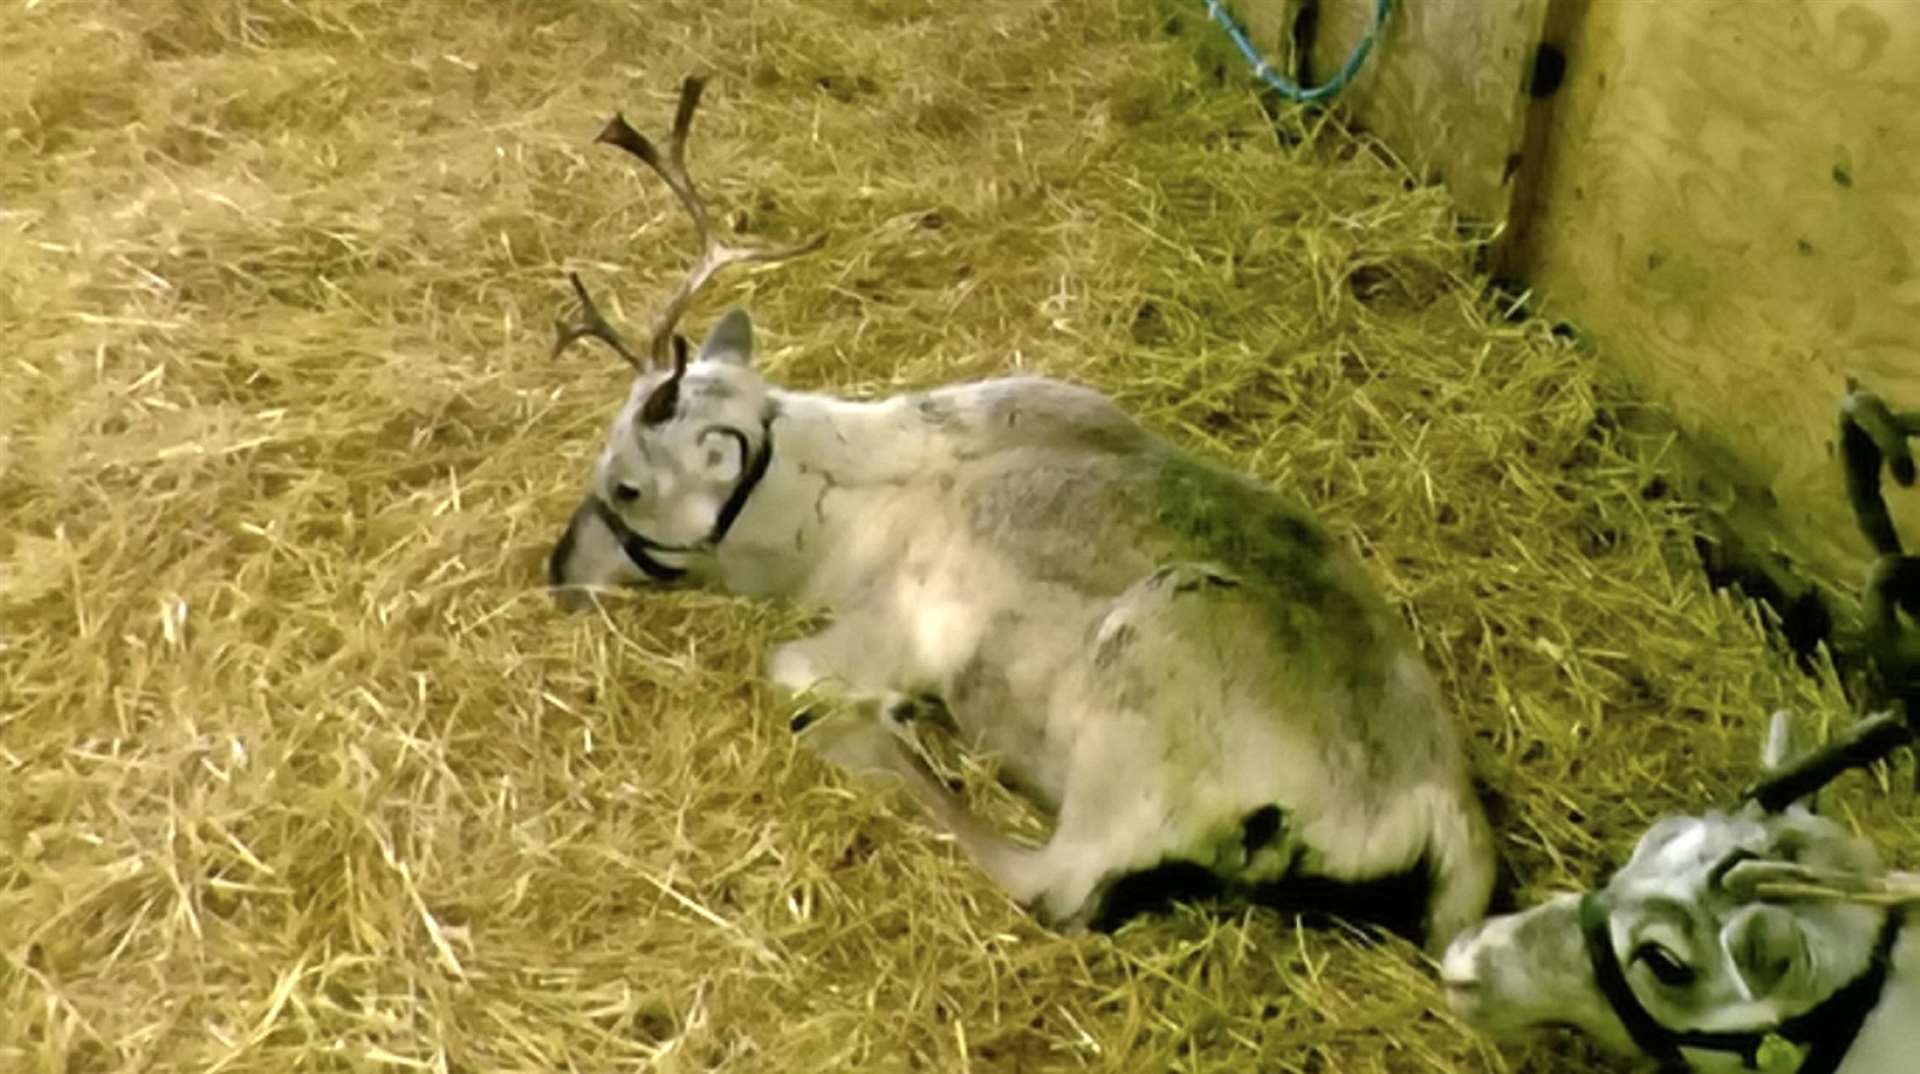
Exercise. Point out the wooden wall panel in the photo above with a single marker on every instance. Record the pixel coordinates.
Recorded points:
(1445, 86)
(1729, 208)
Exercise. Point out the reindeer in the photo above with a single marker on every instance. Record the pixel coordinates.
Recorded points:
(1755, 939)
(1181, 668)
(1766, 938)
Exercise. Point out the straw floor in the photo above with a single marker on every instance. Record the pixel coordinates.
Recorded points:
(300, 770)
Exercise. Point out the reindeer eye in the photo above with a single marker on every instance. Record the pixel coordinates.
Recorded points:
(1665, 967)
(625, 493)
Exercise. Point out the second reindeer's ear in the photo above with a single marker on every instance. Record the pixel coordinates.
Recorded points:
(1764, 944)
(665, 399)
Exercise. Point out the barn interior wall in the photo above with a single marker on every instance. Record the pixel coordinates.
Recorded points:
(1728, 207)
(1723, 196)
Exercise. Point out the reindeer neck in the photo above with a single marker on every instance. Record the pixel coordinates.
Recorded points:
(1890, 1037)
(856, 442)
(825, 451)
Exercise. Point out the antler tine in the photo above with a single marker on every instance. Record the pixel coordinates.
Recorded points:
(673, 166)
(1893, 588)
(1779, 880)
(592, 323)
(1860, 745)
(714, 255)
(1872, 433)
(690, 90)
(712, 259)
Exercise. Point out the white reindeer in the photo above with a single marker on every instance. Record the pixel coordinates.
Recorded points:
(1181, 667)
(1759, 939)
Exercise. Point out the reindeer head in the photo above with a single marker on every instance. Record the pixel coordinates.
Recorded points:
(694, 438)
(680, 460)
(1697, 952)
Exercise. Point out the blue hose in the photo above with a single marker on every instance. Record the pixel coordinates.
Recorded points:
(1265, 72)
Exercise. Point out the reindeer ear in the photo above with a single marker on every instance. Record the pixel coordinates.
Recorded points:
(731, 339)
(1764, 945)
(1785, 745)
(1782, 747)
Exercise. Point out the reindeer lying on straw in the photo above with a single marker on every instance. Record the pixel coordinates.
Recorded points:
(1765, 939)
(1181, 667)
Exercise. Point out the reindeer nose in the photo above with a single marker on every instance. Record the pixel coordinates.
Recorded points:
(557, 560)
(1460, 966)
(1460, 976)
(1463, 997)
(570, 598)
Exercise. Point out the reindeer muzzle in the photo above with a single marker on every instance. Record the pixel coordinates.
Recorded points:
(602, 549)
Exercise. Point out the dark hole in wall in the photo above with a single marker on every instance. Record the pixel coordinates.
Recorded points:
(1510, 299)
(1549, 71)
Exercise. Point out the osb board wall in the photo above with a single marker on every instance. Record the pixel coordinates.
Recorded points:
(1445, 85)
(1729, 208)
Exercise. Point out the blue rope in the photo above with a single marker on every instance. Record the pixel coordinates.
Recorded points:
(1265, 72)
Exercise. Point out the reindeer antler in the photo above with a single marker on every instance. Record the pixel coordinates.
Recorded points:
(1865, 742)
(714, 254)
(1871, 433)
(1781, 880)
(592, 323)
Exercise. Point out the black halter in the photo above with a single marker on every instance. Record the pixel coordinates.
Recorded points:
(638, 546)
(1825, 1032)
(737, 499)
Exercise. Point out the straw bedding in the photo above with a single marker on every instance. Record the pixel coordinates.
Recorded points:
(300, 770)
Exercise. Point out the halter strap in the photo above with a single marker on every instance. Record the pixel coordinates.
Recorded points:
(737, 499)
(1825, 1031)
(635, 545)
(638, 546)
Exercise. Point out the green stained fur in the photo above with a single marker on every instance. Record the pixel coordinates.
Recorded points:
(1263, 539)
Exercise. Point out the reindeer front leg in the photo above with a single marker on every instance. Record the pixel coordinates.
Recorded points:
(868, 740)
(851, 712)
(825, 660)
(841, 684)
(855, 661)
